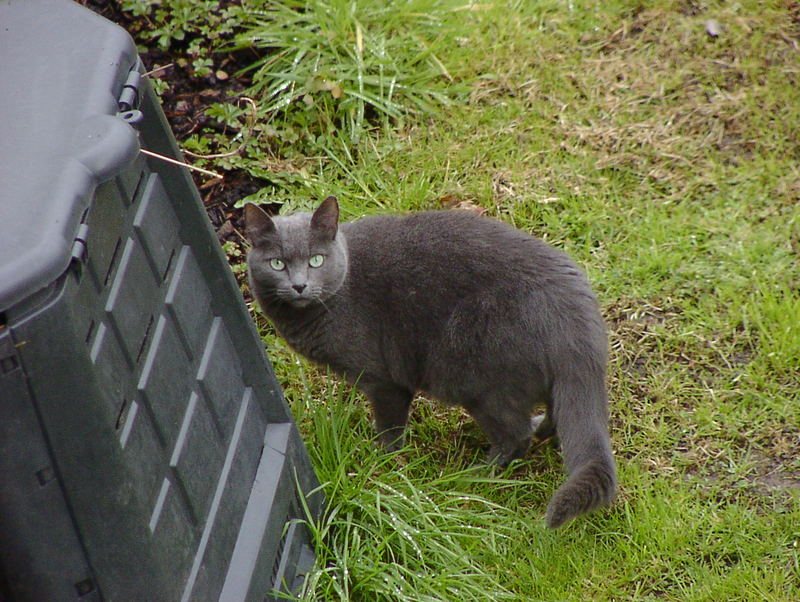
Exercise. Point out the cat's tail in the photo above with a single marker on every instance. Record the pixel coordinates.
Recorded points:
(580, 412)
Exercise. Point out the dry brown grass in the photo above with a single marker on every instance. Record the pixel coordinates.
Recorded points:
(664, 98)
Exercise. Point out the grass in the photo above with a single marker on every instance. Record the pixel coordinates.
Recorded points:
(353, 58)
(665, 161)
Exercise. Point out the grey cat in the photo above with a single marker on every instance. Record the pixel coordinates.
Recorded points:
(467, 309)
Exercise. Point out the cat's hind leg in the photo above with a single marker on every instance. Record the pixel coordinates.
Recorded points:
(390, 405)
(508, 429)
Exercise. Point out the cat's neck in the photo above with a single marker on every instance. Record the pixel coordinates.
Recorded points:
(311, 331)
(290, 319)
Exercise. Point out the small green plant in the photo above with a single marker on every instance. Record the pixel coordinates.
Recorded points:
(236, 257)
(178, 20)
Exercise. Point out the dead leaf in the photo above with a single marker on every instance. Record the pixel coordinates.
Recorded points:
(503, 186)
(713, 28)
(225, 230)
(471, 207)
(327, 85)
(453, 202)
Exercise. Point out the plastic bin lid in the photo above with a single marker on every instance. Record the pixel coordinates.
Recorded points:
(62, 68)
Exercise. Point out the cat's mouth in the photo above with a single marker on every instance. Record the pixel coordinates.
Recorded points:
(301, 300)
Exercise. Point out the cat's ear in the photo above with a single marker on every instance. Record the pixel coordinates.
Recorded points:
(325, 220)
(258, 225)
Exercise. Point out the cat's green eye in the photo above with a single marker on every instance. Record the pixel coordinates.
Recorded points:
(276, 264)
(315, 261)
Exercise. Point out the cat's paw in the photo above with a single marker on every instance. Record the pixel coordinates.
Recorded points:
(392, 440)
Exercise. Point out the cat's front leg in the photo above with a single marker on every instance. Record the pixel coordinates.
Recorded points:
(390, 405)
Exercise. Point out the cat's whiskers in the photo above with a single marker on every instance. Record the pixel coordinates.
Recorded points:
(325, 307)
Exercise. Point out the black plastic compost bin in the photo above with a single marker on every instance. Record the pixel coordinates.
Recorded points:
(146, 450)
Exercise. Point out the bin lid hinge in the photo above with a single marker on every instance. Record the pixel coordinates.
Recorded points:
(79, 245)
(128, 101)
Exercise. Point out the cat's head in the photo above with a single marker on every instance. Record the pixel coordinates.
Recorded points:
(298, 260)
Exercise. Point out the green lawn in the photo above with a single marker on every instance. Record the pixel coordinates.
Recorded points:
(666, 161)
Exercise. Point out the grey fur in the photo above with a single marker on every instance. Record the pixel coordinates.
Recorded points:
(467, 309)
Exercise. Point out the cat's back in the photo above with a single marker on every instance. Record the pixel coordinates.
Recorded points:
(415, 229)
(454, 276)
(454, 245)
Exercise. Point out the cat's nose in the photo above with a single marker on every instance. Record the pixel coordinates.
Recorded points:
(299, 287)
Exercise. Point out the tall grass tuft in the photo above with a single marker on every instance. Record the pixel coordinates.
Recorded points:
(337, 65)
(383, 537)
